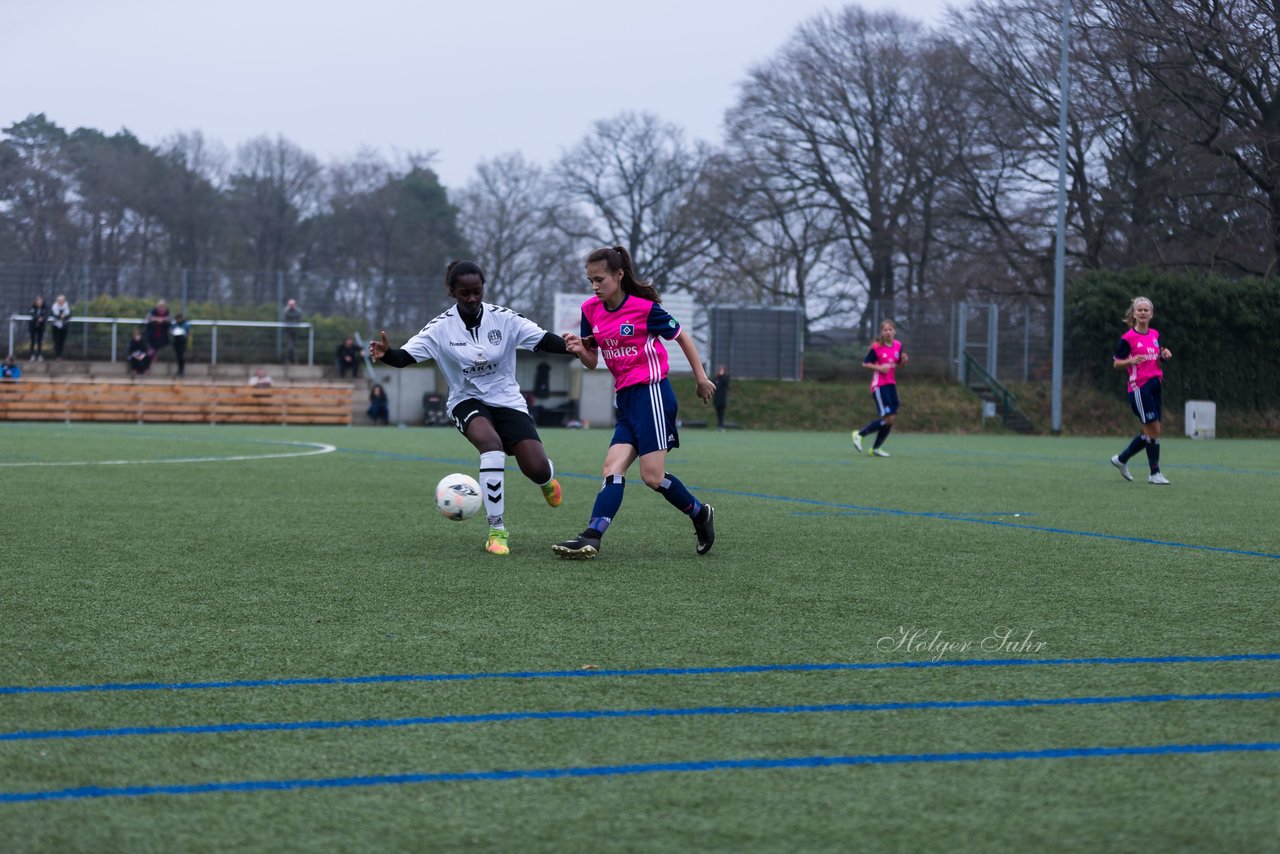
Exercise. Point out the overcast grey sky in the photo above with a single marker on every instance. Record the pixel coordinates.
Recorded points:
(469, 79)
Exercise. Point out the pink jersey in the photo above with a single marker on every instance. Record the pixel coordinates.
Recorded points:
(1134, 343)
(882, 355)
(627, 337)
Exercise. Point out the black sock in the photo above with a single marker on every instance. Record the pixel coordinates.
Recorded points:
(883, 434)
(1153, 455)
(871, 428)
(1139, 442)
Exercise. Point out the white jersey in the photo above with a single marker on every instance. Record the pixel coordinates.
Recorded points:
(479, 362)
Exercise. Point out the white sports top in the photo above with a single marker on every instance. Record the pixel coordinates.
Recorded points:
(479, 362)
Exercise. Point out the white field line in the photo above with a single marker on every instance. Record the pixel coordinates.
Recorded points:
(313, 448)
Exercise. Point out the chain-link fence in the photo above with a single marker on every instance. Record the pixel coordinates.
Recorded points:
(1011, 340)
(394, 301)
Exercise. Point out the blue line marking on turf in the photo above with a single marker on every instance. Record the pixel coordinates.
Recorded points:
(648, 671)
(579, 772)
(595, 714)
(956, 517)
(888, 511)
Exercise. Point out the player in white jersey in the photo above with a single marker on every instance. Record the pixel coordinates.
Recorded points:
(474, 344)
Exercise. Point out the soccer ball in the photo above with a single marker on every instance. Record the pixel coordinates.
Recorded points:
(458, 497)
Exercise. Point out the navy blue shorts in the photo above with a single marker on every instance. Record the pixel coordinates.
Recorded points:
(1145, 401)
(886, 398)
(646, 417)
(512, 425)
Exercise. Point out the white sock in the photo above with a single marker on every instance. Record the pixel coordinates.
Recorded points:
(493, 485)
(551, 466)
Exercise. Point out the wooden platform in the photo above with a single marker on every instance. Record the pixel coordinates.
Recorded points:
(147, 401)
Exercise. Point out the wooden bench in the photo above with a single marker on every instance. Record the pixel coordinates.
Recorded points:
(212, 403)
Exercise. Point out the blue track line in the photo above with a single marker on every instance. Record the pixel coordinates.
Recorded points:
(958, 517)
(910, 514)
(579, 772)
(648, 671)
(595, 714)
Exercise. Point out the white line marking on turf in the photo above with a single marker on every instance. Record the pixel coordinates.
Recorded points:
(314, 448)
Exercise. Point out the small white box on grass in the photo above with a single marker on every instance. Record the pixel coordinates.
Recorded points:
(1201, 416)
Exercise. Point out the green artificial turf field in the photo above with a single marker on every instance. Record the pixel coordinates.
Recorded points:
(217, 638)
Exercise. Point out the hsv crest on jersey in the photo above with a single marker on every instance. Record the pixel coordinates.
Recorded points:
(627, 329)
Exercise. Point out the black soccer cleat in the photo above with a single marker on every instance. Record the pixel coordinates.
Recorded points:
(703, 525)
(582, 547)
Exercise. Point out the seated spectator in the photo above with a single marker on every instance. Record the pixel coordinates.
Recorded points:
(139, 354)
(347, 358)
(260, 379)
(10, 369)
(378, 410)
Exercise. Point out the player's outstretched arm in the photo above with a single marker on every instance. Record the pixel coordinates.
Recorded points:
(706, 388)
(380, 351)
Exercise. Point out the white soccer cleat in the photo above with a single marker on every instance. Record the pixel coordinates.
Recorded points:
(1158, 479)
(879, 452)
(857, 441)
(1124, 469)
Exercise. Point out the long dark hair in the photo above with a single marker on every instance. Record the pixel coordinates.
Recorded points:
(457, 269)
(617, 258)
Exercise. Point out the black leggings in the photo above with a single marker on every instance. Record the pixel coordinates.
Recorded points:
(59, 341)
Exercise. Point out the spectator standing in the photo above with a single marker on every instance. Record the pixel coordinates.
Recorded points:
(10, 370)
(181, 331)
(379, 411)
(721, 398)
(139, 354)
(292, 314)
(347, 358)
(35, 326)
(158, 321)
(60, 320)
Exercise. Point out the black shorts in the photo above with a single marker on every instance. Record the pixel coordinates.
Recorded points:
(513, 425)
(1145, 401)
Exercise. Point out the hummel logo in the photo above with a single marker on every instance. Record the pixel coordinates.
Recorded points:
(457, 343)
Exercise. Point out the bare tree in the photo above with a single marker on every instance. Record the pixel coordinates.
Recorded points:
(508, 214)
(836, 117)
(273, 186)
(1219, 60)
(769, 246)
(630, 182)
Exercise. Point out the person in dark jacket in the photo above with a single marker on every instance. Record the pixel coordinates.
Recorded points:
(139, 354)
(35, 326)
(347, 358)
(721, 398)
(378, 411)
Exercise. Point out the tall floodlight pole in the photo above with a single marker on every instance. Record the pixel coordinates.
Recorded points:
(1060, 247)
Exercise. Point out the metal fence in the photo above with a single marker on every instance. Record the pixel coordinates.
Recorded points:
(1010, 339)
(397, 302)
(99, 338)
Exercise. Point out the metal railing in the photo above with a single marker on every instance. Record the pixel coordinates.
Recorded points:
(212, 325)
(973, 375)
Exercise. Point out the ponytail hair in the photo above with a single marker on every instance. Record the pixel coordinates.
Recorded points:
(457, 269)
(618, 259)
(1128, 313)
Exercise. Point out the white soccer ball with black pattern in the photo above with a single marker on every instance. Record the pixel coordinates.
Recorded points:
(458, 497)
